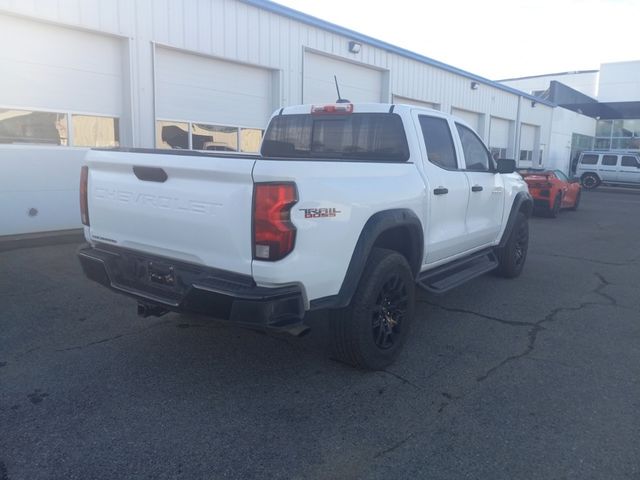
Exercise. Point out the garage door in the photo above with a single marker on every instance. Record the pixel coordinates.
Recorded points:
(499, 137)
(527, 144)
(417, 103)
(195, 88)
(59, 69)
(357, 83)
(472, 118)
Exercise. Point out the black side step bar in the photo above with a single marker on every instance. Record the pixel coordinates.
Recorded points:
(444, 278)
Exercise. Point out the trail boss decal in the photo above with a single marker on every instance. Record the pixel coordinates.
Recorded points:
(319, 212)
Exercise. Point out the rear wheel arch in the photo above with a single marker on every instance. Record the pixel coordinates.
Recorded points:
(399, 230)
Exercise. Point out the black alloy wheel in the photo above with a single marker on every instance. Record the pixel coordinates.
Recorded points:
(521, 244)
(370, 332)
(389, 311)
(512, 257)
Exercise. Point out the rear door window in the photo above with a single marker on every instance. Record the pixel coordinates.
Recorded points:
(609, 160)
(589, 159)
(357, 136)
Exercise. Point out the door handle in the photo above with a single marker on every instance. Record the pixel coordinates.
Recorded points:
(440, 191)
(476, 188)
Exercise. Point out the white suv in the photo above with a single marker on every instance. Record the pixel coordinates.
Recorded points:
(595, 168)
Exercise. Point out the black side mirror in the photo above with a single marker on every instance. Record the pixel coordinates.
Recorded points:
(505, 165)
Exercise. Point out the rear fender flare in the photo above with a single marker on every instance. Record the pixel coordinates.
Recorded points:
(522, 202)
(373, 228)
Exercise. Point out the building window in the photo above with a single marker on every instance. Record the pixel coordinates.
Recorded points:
(27, 126)
(214, 137)
(201, 136)
(618, 134)
(94, 131)
(603, 128)
(172, 134)
(250, 139)
(498, 152)
(526, 155)
(602, 144)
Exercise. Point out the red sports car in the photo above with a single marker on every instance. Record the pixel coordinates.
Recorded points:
(552, 190)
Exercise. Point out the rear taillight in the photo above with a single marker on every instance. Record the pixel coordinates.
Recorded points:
(84, 204)
(273, 233)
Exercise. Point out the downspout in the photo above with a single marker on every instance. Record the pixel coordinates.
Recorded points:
(516, 137)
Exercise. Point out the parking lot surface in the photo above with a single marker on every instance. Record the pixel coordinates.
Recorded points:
(537, 377)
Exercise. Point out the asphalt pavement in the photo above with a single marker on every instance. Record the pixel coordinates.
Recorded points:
(532, 378)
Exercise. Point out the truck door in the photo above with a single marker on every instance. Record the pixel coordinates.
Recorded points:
(486, 200)
(447, 190)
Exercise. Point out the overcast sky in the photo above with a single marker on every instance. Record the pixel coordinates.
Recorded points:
(496, 38)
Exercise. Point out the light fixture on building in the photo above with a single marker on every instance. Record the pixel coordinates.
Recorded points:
(474, 85)
(355, 47)
(597, 117)
(533, 103)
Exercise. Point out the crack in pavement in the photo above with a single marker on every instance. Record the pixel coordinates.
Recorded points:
(96, 342)
(513, 323)
(549, 318)
(395, 446)
(402, 379)
(114, 337)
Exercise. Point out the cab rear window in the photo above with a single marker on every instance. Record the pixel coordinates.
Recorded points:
(357, 136)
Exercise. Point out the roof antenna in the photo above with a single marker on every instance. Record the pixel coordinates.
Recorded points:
(340, 99)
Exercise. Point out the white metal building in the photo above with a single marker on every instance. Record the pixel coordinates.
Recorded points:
(207, 74)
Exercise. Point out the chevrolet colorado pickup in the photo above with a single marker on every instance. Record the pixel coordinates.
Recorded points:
(348, 207)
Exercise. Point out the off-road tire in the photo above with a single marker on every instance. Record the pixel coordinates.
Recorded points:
(512, 257)
(356, 341)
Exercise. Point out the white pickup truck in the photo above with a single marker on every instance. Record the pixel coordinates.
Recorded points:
(347, 208)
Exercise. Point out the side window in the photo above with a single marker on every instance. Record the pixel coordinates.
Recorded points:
(439, 142)
(629, 161)
(561, 175)
(610, 160)
(589, 159)
(475, 153)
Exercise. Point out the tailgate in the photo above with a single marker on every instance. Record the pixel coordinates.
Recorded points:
(200, 214)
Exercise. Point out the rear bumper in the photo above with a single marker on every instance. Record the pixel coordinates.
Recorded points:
(182, 287)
